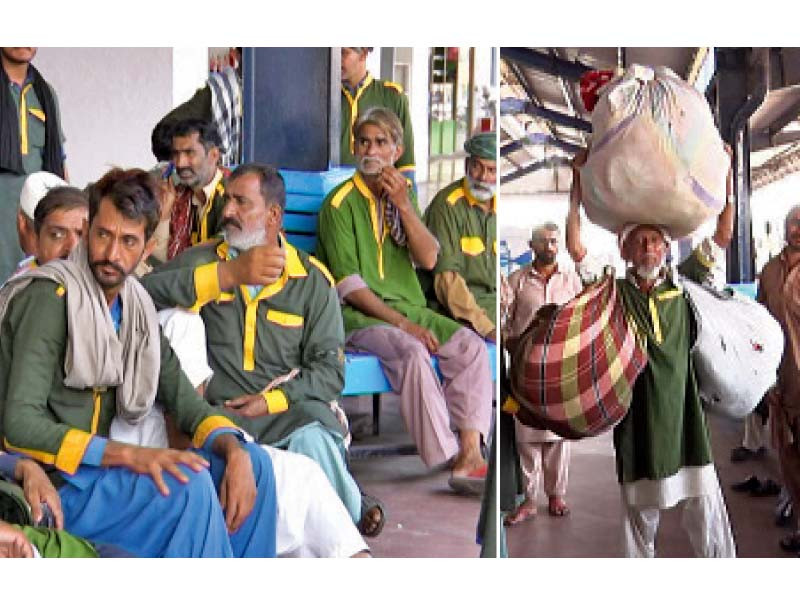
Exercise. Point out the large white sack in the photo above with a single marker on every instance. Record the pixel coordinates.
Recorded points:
(656, 156)
(738, 349)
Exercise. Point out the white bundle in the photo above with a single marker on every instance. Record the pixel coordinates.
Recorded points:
(656, 155)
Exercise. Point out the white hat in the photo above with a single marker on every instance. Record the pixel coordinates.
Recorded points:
(35, 187)
(628, 229)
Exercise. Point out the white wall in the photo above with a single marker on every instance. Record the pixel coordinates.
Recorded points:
(418, 102)
(110, 100)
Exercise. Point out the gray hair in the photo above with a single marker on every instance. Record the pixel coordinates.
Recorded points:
(540, 229)
(382, 118)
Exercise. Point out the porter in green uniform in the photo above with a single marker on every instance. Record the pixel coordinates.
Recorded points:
(361, 91)
(278, 346)
(463, 218)
(369, 233)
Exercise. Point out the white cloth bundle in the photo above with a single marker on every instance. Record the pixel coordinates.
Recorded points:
(737, 352)
(656, 155)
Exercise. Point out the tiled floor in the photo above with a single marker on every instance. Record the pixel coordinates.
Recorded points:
(425, 519)
(593, 528)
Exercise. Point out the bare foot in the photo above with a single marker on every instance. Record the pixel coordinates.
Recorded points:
(557, 507)
(522, 513)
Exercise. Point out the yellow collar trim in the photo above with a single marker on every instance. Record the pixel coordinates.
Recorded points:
(362, 187)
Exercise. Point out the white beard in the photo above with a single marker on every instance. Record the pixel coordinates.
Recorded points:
(481, 191)
(648, 274)
(244, 240)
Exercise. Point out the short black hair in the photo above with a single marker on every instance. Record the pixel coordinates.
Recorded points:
(206, 132)
(62, 197)
(273, 187)
(134, 192)
(161, 141)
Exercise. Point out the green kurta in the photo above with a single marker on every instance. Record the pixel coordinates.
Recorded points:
(375, 92)
(53, 423)
(293, 323)
(665, 428)
(468, 239)
(351, 242)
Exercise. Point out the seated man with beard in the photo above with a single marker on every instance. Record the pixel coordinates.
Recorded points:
(274, 336)
(370, 236)
(463, 218)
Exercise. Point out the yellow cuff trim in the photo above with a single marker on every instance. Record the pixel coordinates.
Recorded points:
(472, 245)
(208, 426)
(206, 285)
(510, 406)
(285, 319)
(277, 402)
(60, 291)
(70, 453)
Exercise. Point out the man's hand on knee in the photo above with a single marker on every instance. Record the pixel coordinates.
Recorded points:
(425, 336)
(237, 492)
(153, 462)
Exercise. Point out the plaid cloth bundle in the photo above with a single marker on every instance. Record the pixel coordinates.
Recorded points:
(573, 370)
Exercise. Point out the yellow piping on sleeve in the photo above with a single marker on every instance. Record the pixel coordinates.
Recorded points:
(340, 195)
(318, 263)
(207, 427)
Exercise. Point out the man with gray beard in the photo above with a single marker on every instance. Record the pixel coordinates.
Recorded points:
(371, 236)
(543, 454)
(463, 217)
(280, 376)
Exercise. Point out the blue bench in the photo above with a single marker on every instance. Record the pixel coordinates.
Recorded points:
(305, 193)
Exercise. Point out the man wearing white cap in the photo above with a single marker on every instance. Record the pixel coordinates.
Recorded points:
(663, 453)
(33, 190)
(50, 219)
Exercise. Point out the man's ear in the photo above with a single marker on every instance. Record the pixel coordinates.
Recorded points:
(398, 152)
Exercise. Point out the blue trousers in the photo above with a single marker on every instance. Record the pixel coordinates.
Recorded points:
(327, 450)
(116, 506)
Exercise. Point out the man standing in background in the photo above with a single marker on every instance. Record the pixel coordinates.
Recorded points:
(360, 91)
(30, 140)
(541, 452)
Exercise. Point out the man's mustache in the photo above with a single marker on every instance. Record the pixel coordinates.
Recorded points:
(108, 263)
(230, 221)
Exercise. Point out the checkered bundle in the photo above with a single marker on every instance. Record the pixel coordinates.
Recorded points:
(573, 370)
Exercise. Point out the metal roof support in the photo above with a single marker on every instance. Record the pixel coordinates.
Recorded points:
(554, 161)
(742, 83)
(540, 139)
(516, 106)
(544, 62)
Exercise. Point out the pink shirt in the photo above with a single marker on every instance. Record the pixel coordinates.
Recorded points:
(529, 292)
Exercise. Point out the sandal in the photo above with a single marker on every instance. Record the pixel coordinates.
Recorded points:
(521, 514)
(366, 526)
(472, 483)
(557, 507)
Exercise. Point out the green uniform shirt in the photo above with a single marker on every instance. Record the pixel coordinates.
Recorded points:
(468, 239)
(53, 423)
(32, 130)
(352, 242)
(375, 92)
(665, 428)
(293, 323)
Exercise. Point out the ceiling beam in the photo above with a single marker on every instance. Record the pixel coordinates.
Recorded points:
(545, 63)
(511, 106)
